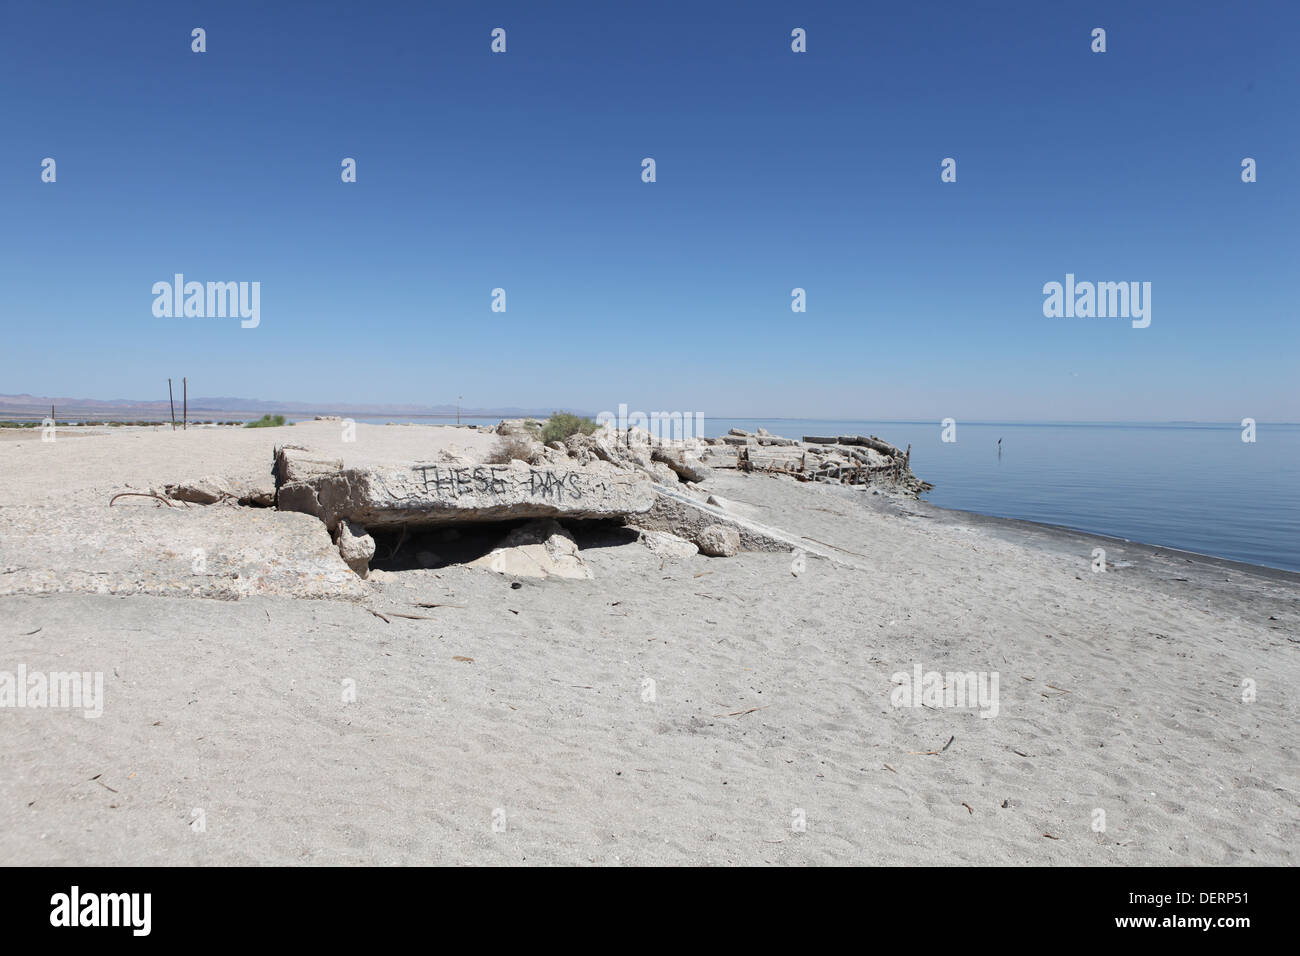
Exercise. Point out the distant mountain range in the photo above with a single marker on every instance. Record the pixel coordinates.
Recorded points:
(38, 406)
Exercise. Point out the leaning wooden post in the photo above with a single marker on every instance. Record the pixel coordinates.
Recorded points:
(185, 404)
(172, 400)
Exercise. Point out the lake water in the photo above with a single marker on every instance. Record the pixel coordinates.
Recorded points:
(1197, 487)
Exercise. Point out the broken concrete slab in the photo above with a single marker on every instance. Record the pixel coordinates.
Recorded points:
(774, 459)
(526, 427)
(295, 463)
(661, 473)
(140, 546)
(258, 493)
(686, 466)
(434, 494)
(721, 456)
(677, 512)
(538, 549)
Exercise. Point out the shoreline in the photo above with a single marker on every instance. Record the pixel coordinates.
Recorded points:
(1029, 529)
(14, 431)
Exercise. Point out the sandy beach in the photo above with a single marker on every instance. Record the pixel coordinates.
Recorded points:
(269, 706)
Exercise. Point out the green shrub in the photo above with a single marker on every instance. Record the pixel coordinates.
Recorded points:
(561, 425)
(267, 421)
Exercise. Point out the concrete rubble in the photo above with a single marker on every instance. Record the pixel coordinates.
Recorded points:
(842, 459)
(624, 478)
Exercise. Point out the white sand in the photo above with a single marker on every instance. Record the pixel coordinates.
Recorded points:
(1119, 691)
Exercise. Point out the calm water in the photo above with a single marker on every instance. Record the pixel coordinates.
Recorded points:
(1198, 487)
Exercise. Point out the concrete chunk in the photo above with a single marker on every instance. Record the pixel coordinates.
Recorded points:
(293, 463)
(434, 494)
(684, 465)
(682, 515)
(213, 488)
(719, 541)
(539, 549)
(356, 548)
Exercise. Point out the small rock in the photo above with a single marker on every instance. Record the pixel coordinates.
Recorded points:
(667, 545)
(356, 547)
(719, 541)
(662, 473)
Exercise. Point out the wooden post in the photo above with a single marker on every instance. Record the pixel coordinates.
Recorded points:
(171, 399)
(185, 404)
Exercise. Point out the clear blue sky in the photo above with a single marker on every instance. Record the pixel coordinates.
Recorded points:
(775, 170)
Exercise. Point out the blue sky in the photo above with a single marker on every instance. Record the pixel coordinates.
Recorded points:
(775, 170)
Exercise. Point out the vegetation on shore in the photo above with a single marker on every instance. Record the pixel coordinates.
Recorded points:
(561, 425)
(267, 421)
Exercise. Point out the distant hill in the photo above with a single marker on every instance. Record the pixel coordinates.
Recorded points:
(38, 406)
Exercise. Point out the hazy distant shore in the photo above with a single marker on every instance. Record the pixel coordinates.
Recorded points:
(32, 408)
